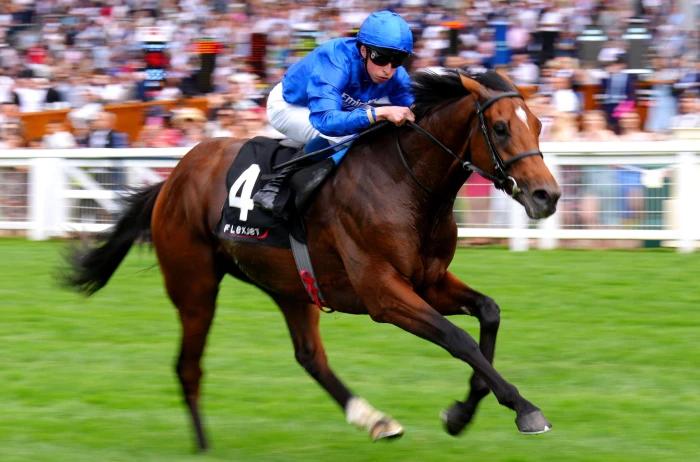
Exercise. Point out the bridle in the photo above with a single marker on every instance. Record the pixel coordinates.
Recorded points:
(501, 178)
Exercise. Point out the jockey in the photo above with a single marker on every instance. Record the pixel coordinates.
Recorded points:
(340, 89)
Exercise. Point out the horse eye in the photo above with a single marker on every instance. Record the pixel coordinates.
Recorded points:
(500, 128)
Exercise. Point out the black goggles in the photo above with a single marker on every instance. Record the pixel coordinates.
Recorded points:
(381, 58)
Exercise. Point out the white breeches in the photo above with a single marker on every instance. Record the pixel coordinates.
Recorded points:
(292, 121)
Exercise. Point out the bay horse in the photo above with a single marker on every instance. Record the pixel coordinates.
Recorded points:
(381, 236)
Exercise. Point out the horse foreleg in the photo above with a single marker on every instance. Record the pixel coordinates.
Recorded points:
(391, 299)
(302, 321)
(451, 296)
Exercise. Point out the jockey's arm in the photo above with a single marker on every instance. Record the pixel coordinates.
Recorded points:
(328, 117)
(336, 122)
(395, 114)
(325, 104)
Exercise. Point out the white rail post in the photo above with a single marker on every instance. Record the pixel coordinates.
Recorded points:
(551, 225)
(518, 225)
(46, 206)
(688, 222)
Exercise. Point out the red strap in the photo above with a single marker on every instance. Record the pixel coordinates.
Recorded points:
(311, 288)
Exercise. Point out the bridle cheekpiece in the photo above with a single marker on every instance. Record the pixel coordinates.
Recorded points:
(500, 179)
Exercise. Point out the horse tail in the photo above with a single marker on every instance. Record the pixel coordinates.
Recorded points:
(91, 267)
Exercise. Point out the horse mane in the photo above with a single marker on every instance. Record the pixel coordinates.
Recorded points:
(432, 87)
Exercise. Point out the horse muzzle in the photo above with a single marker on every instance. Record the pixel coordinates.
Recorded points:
(539, 202)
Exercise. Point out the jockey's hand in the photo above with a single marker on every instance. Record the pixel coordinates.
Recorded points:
(395, 114)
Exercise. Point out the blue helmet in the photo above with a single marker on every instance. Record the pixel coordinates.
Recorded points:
(386, 29)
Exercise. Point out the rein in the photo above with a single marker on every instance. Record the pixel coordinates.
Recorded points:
(501, 178)
(332, 147)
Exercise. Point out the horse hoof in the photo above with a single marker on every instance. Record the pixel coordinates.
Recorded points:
(533, 423)
(386, 429)
(455, 418)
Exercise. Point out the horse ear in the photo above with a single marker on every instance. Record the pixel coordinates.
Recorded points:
(473, 86)
(504, 75)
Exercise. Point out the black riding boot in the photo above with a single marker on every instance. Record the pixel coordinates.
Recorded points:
(267, 198)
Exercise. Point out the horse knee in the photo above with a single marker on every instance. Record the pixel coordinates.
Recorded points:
(489, 314)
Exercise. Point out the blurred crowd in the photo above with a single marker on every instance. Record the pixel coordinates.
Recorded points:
(83, 55)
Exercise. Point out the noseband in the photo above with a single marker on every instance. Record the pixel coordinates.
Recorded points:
(501, 178)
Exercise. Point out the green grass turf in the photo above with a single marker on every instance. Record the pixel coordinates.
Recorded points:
(607, 343)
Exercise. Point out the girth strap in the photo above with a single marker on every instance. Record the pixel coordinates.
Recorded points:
(306, 272)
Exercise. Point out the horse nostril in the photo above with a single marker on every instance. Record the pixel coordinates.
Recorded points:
(542, 197)
(545, 198)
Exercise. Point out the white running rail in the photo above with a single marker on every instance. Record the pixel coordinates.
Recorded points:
(620, 192)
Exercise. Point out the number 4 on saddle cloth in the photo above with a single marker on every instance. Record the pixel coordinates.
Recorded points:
(241, 220)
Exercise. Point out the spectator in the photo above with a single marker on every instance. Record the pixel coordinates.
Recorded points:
(9, 112)
(253, 121)
(618, 90)
(564, 98)
(594, 127)
(113, 89)
(102, 133)
(225, 124)
(34, 93)
(662, 106)
(11, 135)
(243, 91)
(550, 23)
(7, 84)
(541, 105)
(689, 116)
(690, 75)
(83, 115)
(158, 133)
(517, 36)
(57, 137)
(629, 177)
(92, 57)
(631, 127)
(170, 91)
(596, 182)
(564, 127)
(191, 124)
(523, 71)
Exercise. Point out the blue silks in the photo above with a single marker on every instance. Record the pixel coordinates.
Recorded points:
(338, 156)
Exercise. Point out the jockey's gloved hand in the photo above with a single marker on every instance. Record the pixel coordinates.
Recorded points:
(397, 115)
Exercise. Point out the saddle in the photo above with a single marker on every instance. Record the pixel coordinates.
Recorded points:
(252, 168)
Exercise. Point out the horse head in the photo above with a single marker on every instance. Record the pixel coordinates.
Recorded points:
(502, 141)
(507, 146)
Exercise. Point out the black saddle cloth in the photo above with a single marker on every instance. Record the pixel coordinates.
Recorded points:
(241, 220)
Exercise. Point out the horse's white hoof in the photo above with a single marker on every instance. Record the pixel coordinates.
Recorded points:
(386, 429)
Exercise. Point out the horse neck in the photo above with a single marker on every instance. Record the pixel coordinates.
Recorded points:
(433, 167)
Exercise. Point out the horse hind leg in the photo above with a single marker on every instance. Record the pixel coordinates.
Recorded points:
(193, 286)
(302, 321)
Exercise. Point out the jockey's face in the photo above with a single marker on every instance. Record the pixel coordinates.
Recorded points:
(378, 74)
